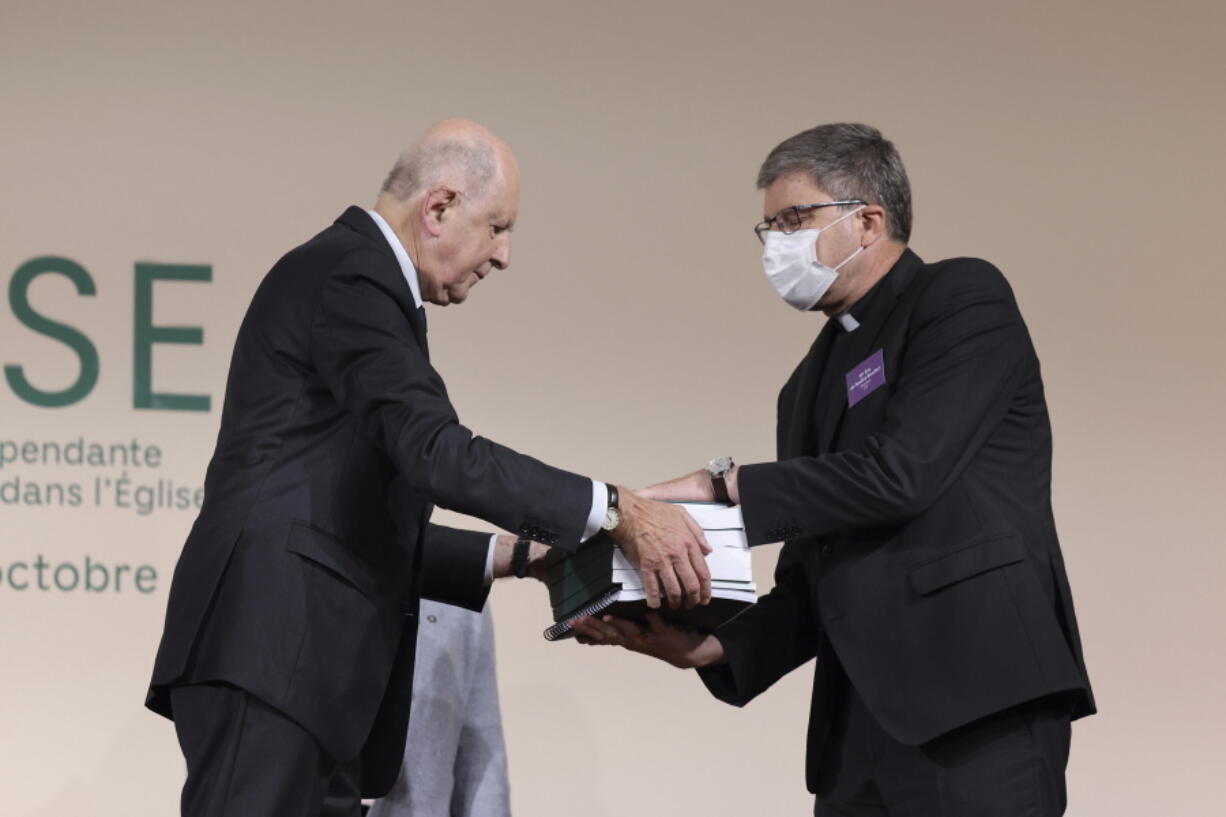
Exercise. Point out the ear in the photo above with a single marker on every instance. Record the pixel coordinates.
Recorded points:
(872, 224)
(435, 206)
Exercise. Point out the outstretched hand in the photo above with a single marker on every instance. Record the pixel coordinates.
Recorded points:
(668, 548)
(685, 649)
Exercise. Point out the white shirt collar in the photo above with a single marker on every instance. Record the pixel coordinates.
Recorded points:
(406, 265)
(847, 321)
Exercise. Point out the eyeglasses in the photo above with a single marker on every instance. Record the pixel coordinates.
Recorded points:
(789, 219)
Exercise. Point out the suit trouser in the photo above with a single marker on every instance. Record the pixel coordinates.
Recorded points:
(1010, 764)
(245, 758)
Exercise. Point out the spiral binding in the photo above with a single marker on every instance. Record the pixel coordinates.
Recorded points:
(563, 629)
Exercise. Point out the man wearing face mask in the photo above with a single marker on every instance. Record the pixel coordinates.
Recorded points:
(920, 563)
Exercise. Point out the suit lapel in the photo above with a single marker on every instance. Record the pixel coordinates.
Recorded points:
(419, 329)
(858, 346)
(800, 433)
(831, 396)
(360, 221)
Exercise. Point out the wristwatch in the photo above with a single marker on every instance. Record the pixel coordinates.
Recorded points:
(519, 557)
(612, 516)
(718, 469)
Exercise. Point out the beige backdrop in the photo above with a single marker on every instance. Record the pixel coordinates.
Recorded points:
(1076, 145)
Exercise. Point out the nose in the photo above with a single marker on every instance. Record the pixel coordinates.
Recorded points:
(501, 259)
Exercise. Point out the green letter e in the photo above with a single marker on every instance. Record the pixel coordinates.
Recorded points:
(146, 334)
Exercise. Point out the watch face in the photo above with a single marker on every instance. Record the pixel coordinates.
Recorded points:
(612, 519)
(720, 466)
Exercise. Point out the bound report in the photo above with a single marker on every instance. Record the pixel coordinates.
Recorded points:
(599, 579)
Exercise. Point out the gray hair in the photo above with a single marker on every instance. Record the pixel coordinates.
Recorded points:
(425, 165)
(848, 161)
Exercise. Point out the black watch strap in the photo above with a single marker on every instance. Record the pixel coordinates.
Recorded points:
(519, 557)
(613, 497)
(718, 470)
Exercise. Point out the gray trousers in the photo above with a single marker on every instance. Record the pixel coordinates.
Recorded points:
(455, 761)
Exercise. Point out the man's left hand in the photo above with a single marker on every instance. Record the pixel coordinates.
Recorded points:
(685, 649)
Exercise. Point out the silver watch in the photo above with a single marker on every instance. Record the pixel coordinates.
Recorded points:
(612, 518)
(718, 469)
(613, 515)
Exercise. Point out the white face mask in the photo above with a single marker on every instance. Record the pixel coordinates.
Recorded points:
(791, 265)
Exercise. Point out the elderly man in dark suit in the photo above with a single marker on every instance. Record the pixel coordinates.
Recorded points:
(912, 491)
(287, 656)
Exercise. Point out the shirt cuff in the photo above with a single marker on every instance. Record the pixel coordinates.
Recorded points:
(600, 507)
(489, 561)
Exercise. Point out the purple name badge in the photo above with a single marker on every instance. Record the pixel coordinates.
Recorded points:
(866, 378)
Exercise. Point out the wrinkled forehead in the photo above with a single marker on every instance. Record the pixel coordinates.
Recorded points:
(790, 191)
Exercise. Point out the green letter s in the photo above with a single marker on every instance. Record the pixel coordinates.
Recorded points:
(19, 299)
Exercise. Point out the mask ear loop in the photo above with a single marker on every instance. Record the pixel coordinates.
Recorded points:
(858, 249)
(845, 215)
(848, 258)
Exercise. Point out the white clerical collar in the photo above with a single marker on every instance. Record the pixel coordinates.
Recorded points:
(406, 264)
(847, 321)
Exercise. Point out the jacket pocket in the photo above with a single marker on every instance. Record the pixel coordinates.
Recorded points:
(980, 557)
(329, 552)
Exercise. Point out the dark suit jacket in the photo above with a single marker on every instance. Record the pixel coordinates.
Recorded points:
(920, 549)
(300, 580)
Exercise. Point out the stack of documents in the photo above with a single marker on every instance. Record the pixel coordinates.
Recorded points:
(599, 579)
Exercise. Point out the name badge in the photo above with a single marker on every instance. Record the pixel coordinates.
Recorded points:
(866, 378)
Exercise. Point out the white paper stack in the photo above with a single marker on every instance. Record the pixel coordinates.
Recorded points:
(600, 579)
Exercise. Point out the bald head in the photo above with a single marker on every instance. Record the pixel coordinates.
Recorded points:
(455, 153)
(452, 199)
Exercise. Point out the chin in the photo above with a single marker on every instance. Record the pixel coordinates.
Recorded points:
(829, 305)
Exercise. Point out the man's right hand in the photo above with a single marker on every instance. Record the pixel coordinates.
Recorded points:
(668, 548)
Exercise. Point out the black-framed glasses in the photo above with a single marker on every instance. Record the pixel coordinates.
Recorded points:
(789, 219)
